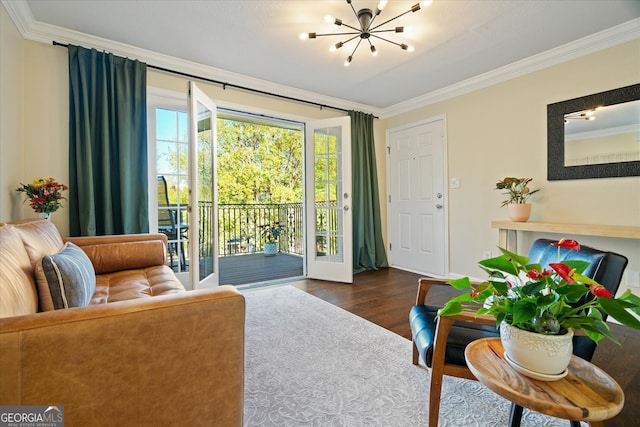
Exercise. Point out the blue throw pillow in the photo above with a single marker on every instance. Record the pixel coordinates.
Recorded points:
(65, 279)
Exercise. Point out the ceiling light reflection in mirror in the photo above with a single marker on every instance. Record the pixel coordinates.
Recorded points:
(608, 134)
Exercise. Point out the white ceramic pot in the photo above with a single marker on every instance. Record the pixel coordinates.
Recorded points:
(548, 355)
(519, 212)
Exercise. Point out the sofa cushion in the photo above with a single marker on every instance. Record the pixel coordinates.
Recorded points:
(18, 294)
(134, 284)
(40, 238)
(65, 279)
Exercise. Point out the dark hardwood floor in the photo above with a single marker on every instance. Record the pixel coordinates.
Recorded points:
(385, 297)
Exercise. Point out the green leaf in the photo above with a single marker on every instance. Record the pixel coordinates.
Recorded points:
(533, 287)
(572, 292)
(628, 297)
(462, 283)
(500, 287)
(500, 263)
(451, 309)
(579, 265)
(523, 310)
(615, 309)
(518, 259)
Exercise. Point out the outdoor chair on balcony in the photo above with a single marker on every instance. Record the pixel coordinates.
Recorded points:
(168, 223)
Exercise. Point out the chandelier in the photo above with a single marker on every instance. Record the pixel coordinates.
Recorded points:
(366, 18)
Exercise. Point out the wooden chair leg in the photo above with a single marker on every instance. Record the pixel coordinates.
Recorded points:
(416, 355)
(435, 391)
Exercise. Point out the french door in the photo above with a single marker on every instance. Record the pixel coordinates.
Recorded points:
(203, 207)
(328, 200)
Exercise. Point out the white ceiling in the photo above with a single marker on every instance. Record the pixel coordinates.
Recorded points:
(455, 40)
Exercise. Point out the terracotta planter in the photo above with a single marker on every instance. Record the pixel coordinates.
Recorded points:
(543, 357)
(519, 212)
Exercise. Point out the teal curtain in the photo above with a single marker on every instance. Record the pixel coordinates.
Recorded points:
(368, 246)
(107, 144)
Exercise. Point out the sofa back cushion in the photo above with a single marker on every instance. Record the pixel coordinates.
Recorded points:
(65, 279)
(40, 238)
(18, 294)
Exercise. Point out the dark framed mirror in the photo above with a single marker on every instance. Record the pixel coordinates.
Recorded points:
(595, 136)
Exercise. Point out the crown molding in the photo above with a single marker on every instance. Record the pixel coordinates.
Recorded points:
(31, 29)
(587, 45)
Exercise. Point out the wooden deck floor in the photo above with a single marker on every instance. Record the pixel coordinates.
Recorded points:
(252, 268)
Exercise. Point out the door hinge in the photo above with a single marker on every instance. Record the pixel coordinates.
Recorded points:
(389, 246)
(388, 150)
(389, 198)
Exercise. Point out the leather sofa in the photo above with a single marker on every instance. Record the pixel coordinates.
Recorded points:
(141, 351)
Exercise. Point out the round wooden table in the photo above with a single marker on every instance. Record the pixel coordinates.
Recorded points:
(586, 394)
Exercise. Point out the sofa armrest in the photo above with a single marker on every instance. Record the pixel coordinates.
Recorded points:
(123, 252)
(170, 360)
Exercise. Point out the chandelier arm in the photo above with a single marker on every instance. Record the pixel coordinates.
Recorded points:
(387, 40)
(353, 28)
(356, 48)
(383, 31)
(339, 34)
(348, 40)
(354, 10)
(387, 21)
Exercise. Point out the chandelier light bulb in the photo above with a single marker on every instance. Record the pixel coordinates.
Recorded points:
(407, 47)
(336, 46)
(329, 19)
(304, 36)
(347, 61)
(425, 3)
(374, 52)
(382, 4)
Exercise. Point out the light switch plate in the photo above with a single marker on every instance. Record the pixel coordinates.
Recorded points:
(455, 183)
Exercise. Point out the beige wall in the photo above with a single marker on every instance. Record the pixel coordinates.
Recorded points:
(11, 115)
(501, 131)
(492, 133)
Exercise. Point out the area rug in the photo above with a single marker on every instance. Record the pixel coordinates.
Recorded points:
(310, 363)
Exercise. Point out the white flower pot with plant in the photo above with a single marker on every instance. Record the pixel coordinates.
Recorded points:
(539, 309)
(519, 192)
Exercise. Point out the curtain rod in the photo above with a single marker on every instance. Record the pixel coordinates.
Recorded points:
(235, 86)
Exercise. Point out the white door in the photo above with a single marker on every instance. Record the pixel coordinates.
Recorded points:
(328, 200)
(418, 202)
(202, 208)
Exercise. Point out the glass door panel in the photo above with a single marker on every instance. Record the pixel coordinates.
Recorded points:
(329, 189)
(203, 197)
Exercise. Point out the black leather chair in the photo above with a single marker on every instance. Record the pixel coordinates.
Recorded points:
(441, 344)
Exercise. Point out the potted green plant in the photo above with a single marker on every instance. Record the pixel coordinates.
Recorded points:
(44, 195)
(534, 304)
(270, 233)
(518, 193)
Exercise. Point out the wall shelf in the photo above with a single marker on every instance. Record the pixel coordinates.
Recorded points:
(507, 237)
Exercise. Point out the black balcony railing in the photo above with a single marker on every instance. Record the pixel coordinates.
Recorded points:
(239, 227)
